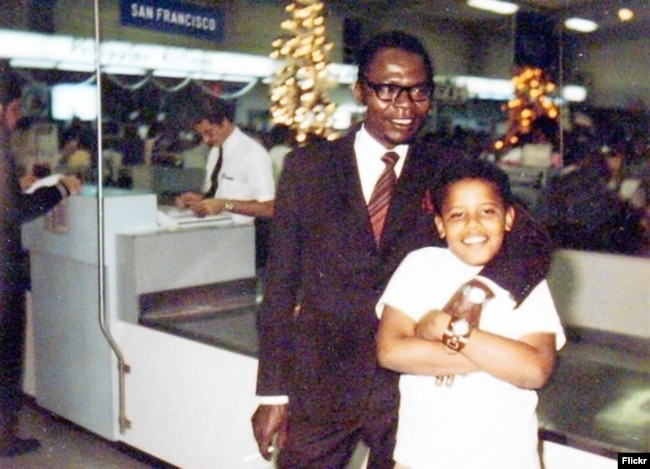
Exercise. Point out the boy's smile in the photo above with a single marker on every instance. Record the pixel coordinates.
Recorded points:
(474, 220)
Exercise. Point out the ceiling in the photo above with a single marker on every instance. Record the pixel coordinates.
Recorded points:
(603, 12)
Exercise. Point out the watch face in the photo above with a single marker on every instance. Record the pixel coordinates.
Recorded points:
(476, 295)
(461, 326)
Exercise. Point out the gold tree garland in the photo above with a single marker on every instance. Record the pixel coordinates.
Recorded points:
(299, 95)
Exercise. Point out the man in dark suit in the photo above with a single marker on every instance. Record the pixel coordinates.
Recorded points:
(16, 207)
(322, 389)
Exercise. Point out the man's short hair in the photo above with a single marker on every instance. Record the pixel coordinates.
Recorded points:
(470, 168)
(10, 86)
(216, 111)
(396, 40)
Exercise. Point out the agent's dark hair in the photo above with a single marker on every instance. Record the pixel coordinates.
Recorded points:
(467, 168)
(10, 85)
(216, 112)
(393, 40)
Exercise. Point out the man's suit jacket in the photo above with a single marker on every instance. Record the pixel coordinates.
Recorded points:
(15, 208)
(325, 273)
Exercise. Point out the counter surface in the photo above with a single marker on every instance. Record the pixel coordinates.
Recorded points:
(598, 399)
(232, 330)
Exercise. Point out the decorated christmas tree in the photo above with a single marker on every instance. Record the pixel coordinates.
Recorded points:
(299, 89)
(534, 97)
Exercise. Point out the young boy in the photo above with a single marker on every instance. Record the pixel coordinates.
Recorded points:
(468, 385)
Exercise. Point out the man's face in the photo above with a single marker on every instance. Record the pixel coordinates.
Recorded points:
(212, 134)
(11, 114)
(397, 121)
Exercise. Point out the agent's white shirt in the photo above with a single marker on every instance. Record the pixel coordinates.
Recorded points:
(245, 173)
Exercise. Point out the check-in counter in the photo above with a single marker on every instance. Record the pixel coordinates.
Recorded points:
(75, 370)
(183, 401)
(189, 401)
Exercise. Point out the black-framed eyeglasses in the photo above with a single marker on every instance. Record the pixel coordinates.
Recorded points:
(389, 92)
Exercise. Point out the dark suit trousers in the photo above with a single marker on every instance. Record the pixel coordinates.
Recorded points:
(330, 445)
(12, 341)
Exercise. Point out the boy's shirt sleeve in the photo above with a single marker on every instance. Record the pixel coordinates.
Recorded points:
(536, 314)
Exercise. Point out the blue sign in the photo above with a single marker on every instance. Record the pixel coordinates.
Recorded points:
(173, 17)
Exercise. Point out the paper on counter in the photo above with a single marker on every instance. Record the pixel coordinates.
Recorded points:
(174, 217)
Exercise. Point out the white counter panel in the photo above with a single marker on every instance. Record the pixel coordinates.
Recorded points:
(189, 404)
(602, 291)
(556, 456)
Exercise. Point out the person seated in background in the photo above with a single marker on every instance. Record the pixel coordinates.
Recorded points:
(282, 140)
(76, 157)
(545, 132)
(581, 210)
(467, 382)
(618, 152)
(131, 145)
(239, 179)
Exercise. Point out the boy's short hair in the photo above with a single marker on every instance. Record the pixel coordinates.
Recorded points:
(468, 168)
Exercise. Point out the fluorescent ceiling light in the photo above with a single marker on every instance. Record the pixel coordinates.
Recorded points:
(574, 93)
(170, 73)
(32, 63)
(485, 88)
(230, 78)
(122, 70)
(495, 6)
(76, 67)
(581, 25)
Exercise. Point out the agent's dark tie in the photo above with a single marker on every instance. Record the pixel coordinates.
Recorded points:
(214, 177)
(380, 199)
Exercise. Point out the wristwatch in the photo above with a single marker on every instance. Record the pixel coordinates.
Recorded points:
(457, 334)
(229, 206)
(475, 294)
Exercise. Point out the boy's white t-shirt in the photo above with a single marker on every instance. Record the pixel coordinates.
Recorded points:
(480, 421)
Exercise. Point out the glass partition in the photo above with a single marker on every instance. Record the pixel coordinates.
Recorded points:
(156, 70)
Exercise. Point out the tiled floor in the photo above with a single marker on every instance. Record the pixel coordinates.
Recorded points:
(67, 446)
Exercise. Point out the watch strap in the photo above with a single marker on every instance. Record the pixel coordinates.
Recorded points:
(452, 339)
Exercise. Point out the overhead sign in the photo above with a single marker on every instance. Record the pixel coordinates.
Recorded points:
(173, 17)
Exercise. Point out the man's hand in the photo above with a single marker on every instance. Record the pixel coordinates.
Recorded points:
(208, 207)
(188, 199)
(26, 181)
(72, 183)
(269, 421)
(460, 305)
(432, 325)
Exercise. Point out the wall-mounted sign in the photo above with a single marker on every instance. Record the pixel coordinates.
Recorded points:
(173, 17)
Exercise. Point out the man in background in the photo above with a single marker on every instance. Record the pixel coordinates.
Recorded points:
(16, 207)
(239, 179)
